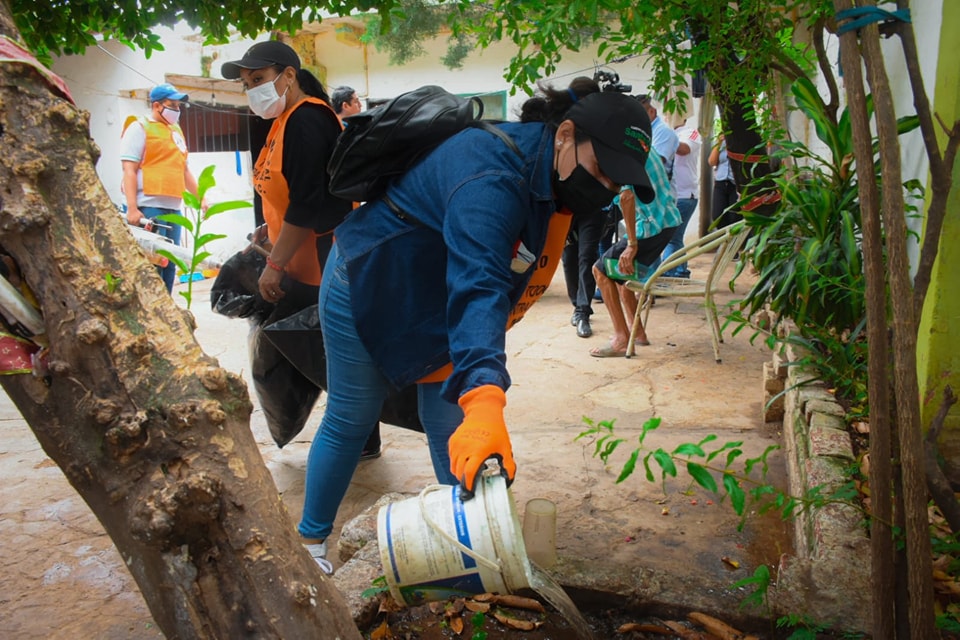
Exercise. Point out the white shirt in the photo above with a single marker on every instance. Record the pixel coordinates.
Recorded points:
(686, 168)
(664, 141)
(722, 172)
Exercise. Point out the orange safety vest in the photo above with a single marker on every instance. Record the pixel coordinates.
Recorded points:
(164, 158)
(546, 266)
(274, 193)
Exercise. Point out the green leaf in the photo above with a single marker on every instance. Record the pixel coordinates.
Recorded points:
(760, 581)
(907, 124)
(191, 201)
(610, 447)
(689, 449)
(378, 586)
(703, 477)
(229, 205)
(666, 463)
(197, 259)
(207, 238)
(737, 497)
(205, 182)
(646, 466)
(630, 466)
(174, 259)
(733, 455)
(177, 218)
(599, 445)
(709, 438)
(648, 426)
(729, 445)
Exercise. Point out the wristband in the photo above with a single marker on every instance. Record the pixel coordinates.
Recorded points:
(273, 265)
(631, 244)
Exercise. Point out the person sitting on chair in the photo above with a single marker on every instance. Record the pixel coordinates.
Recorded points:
(649, 228)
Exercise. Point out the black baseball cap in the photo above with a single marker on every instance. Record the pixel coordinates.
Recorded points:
(260, 55)
(619, 128)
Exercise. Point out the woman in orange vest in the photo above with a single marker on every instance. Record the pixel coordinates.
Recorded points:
(290, 176)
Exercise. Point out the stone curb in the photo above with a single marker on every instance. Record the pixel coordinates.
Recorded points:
(828, 577)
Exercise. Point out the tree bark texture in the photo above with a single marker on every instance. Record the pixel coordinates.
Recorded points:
(151, 432)
(881, 463)
(904, 326)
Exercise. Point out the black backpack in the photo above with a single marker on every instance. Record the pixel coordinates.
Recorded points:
(383, 143)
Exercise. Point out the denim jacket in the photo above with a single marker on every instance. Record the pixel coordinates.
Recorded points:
(440, 288)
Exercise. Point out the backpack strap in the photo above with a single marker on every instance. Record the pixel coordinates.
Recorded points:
(400, 213)
(479, 124)
(497, 131)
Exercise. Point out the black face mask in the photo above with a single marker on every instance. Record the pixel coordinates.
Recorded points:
(581, 193)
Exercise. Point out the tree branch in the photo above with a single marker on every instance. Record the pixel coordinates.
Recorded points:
(826, 69)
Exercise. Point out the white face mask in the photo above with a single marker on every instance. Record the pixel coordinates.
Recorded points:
(265, 101)
(172, 116)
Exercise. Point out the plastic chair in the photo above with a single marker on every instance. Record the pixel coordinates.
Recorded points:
(727, 242)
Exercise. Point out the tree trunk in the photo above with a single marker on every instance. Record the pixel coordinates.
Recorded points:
(903, 409)
(746, 150)
(151, 432)
(881, 463)
(904, 325)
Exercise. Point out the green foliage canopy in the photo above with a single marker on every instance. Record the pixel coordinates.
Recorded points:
(741, 40)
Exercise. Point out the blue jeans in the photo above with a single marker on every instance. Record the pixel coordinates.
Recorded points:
(356, 390)
(686, 206)
(169, 272)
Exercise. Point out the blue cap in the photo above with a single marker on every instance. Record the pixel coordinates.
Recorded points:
(166, 91)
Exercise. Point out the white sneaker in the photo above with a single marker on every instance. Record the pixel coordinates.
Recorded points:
(319, 553)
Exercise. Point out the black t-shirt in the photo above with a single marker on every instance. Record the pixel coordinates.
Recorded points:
(308, 141)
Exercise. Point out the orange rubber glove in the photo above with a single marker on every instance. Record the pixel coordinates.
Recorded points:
(482, 435)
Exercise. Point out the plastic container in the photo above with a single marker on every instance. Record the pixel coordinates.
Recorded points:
(540, 532)
(436, 546)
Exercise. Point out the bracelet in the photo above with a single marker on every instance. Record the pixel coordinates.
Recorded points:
(631, 244)
(273, 265)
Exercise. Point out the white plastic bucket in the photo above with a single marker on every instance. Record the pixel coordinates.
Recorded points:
(436, 546)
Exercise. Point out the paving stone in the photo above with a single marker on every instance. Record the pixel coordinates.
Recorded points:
(831, 442)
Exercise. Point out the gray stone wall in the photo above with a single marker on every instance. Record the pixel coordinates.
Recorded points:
(828, 576)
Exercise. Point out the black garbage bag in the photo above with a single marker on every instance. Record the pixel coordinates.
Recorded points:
(300, 339)
(286, 396)
(287, 360)
(235, 293)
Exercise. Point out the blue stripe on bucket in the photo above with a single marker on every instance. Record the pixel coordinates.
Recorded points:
(393, 559)
(463, 532)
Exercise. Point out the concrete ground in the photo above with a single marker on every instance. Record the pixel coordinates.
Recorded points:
(60, 575)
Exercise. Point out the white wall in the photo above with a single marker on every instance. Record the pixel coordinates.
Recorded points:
(373, 77)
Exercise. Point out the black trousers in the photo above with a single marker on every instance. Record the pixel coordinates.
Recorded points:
(579, 254)
(724, 195)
